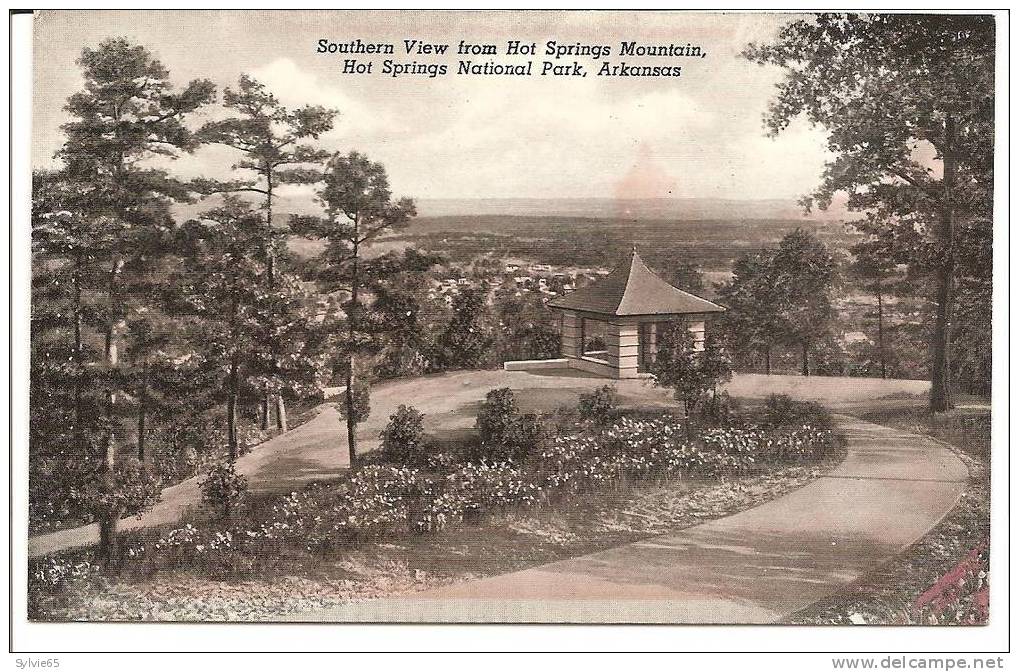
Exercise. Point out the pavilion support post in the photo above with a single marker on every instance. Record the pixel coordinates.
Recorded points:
(621, 343)
(698, 331)
(570, 340)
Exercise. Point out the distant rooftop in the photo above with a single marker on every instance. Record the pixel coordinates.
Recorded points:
(633, 289)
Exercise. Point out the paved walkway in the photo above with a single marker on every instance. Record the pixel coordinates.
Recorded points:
(757, 566)
(318, 449)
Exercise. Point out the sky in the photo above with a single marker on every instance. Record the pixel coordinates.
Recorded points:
(696, 136)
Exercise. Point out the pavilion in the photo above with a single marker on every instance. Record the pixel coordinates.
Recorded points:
(611, 327)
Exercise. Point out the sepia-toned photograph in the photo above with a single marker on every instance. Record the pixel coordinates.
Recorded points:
(547, 317)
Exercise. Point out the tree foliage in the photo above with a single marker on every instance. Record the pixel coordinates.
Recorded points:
(690, 373)
(805, 277)
(359, 208)
(781, 296)
(116, 208)
(272, 140)
(908, 107)
(466, 339)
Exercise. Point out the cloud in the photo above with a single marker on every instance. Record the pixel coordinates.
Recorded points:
(459, 137)
(296, 87)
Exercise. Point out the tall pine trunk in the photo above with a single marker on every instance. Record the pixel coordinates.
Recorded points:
(941, 393)
(231, 408)
(350, 419)
(108, 519)
(263, 409)
(143, 403)
(767, 360)
(805, 350)
(352, 317)
(79, 359)
(281, 408)
(281, 413)
(233, 383)
(881, 332)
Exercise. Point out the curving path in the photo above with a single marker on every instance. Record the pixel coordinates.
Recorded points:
(757, 566)
(318, 449)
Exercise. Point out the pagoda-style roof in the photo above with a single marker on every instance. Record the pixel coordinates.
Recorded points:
(633, 289)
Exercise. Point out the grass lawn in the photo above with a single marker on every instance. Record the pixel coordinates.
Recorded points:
(887, 596)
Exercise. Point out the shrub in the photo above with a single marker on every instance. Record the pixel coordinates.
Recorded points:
(505, 433)
(781, 410)
(717, 409)
(498, 420)
(598, 406)
(533, 431)
(223, 487)
(403, 437)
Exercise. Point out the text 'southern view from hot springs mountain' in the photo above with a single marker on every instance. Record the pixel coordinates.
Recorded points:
(626, 317)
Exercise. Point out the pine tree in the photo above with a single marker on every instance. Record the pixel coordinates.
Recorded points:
(221, 286)
(126, 114)
(270, 137)
(65, 431)
(359, 208)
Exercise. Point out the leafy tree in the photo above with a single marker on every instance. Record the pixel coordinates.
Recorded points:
(406, 322)
(972, 324)
(359, 209)
(126, 114)
(524, 326)
(687, 276)
(270, 137)
(805, 276)
(467, 338)
(715, 364)
(690, 373)
(752, 324)
(892, 92)
(876, 271)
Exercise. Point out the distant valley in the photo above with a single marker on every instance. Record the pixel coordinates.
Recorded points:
(708, 233)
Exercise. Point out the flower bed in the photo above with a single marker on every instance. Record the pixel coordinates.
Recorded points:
(383, 500)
